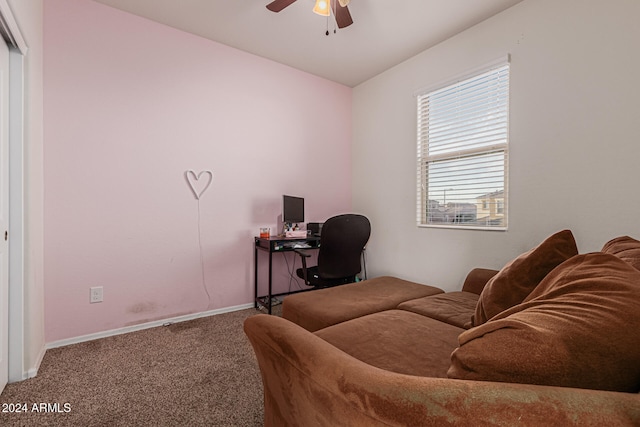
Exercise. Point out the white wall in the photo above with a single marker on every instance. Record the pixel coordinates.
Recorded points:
(573, 138)
(130, 105)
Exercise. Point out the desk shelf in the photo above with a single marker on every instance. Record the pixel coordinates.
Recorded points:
(282, 244)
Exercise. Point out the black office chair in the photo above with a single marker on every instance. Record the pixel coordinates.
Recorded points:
(342, 242)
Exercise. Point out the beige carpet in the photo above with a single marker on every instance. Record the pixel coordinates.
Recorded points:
(197, 373)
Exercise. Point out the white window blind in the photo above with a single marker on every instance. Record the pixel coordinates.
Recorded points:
(463, 136)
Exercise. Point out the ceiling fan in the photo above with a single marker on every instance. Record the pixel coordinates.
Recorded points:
(339, 7)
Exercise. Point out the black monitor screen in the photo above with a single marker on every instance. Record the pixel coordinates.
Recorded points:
(292, 209)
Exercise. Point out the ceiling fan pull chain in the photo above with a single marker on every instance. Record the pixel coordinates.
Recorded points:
(327, 33)
(335, 21)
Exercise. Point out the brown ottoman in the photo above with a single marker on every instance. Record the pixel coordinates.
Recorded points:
(318, 309)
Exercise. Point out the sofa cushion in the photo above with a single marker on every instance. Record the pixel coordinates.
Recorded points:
(625, 248)
(325, 307)
(578, 328)
(397, 341)
(519, 277)
(454, 308)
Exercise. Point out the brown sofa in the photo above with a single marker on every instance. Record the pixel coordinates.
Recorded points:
(550, 339)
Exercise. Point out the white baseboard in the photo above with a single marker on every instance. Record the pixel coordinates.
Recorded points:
(34, 371)
(127, 329)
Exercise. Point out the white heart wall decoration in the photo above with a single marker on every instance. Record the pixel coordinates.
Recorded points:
(197, 185)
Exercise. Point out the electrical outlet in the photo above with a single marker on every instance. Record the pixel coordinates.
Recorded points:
(96, 294)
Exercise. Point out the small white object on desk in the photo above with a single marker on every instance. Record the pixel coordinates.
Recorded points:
(296, 233)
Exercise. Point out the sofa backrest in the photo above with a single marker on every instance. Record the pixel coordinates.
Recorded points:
(625, 248)
(476, 279)
(577, 328)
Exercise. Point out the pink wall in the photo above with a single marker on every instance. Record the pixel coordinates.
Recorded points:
(129, 106)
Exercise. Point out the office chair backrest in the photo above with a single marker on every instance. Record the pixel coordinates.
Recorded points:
(341, 243)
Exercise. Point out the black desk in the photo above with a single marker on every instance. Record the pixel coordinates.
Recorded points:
(273, 245)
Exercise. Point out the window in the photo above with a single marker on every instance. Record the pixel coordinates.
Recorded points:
(463, 135)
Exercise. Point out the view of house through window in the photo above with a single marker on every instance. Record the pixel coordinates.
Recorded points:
(463, 152)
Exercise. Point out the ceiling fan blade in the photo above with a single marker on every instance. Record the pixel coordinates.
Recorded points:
(343, 17)
(344, 3)
(278, 5)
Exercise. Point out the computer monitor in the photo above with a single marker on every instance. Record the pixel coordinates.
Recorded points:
(292, 209)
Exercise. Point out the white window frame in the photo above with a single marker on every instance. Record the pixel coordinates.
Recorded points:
(426, 214)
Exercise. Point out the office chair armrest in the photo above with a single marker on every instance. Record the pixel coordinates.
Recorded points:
(302, 253)
(303, 256)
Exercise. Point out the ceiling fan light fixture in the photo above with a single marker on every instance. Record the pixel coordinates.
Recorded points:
(322, 7)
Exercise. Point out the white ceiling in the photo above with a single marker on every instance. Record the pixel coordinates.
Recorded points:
(384, 32)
